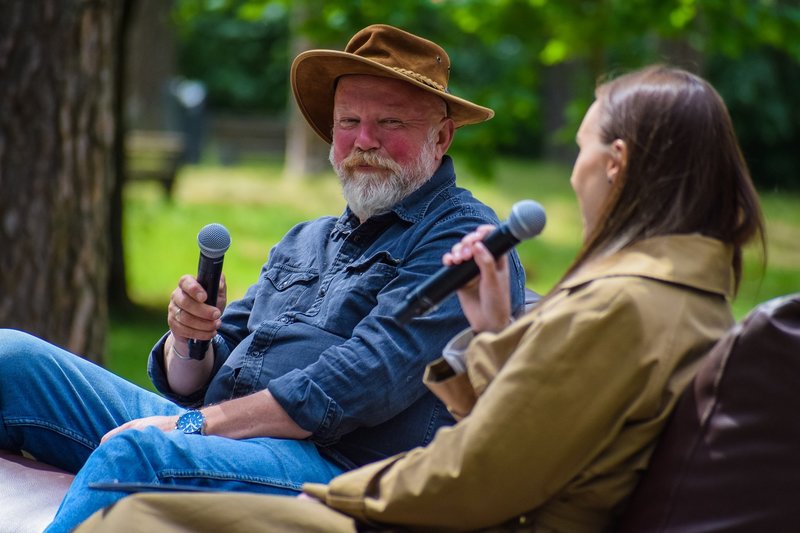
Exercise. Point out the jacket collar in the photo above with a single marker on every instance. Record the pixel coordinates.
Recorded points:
(692, 260)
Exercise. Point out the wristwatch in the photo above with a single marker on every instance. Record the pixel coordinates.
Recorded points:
(191, 422)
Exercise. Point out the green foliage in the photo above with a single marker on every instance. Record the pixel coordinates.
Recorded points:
(506, 53)
(238, 49)
(132, 334)
(761, 91)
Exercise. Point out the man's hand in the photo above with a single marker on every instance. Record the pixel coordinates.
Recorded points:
(486, 300)
(164, 423)
(189, 317)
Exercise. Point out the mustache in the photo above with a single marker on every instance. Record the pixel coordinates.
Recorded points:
(360, 157)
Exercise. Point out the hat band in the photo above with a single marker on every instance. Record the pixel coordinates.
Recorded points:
(420, 78)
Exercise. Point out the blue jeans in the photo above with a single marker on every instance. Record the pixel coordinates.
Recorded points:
(56, 406)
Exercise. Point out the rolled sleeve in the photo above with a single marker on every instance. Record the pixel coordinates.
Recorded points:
(307, 404)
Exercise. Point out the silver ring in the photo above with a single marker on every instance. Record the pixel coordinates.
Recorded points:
(178, 314)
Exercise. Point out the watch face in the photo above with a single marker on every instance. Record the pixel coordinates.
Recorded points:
(191, 422)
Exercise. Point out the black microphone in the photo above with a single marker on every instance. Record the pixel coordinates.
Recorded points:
(214, 240)
(527, 219)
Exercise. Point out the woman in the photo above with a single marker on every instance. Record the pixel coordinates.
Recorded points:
(572, 396)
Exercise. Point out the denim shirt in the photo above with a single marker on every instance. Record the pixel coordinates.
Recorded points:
(317, 328)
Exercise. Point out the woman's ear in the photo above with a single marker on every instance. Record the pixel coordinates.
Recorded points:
(618, 160)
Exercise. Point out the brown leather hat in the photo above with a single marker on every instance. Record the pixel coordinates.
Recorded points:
(377, 50)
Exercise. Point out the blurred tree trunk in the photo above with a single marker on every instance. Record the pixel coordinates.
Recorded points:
(306, 153)
(58, 129)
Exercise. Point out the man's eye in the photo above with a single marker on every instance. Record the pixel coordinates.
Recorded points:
(392, 122)
(347, 122)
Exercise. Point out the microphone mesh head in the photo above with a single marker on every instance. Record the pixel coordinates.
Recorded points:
(527, 219)
(214, 240)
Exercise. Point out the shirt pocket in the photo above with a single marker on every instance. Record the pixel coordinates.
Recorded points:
(355, 291)
(286, 289)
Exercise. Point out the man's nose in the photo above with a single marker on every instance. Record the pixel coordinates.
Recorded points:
(367, 137)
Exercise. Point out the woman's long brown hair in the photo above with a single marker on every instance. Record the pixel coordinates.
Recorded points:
(685, 172)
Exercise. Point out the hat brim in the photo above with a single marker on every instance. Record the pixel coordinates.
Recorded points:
(314, 74)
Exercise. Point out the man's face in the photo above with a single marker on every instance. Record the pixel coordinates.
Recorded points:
(388, 139)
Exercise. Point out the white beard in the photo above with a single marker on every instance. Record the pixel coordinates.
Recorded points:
(373, 193)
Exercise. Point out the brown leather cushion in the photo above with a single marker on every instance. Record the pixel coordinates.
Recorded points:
(30, 493)
(730, 457)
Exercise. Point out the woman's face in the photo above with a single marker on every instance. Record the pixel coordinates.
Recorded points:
(595, 170)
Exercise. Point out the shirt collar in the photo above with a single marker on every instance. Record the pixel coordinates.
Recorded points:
(414, 206)
(692, 260)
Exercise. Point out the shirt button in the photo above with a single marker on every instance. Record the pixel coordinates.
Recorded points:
(322, 292)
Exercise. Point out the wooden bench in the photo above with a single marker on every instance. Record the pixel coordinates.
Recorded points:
(154, 155)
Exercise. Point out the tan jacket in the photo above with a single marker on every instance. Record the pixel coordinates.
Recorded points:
(571, 399)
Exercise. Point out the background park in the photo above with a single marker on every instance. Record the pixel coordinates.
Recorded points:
(104, 99)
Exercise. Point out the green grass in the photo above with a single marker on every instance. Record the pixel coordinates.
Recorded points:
(258, 207)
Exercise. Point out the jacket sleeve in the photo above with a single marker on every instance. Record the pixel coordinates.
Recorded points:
(554, 405)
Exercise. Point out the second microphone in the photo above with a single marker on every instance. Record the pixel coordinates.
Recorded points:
(527, 219)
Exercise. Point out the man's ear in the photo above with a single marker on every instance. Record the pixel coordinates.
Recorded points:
(618, 160)
(444, 138)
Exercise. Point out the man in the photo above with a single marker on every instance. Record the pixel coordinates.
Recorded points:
(308, 375)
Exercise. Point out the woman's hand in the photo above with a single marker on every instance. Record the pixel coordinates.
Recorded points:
(486, 300)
